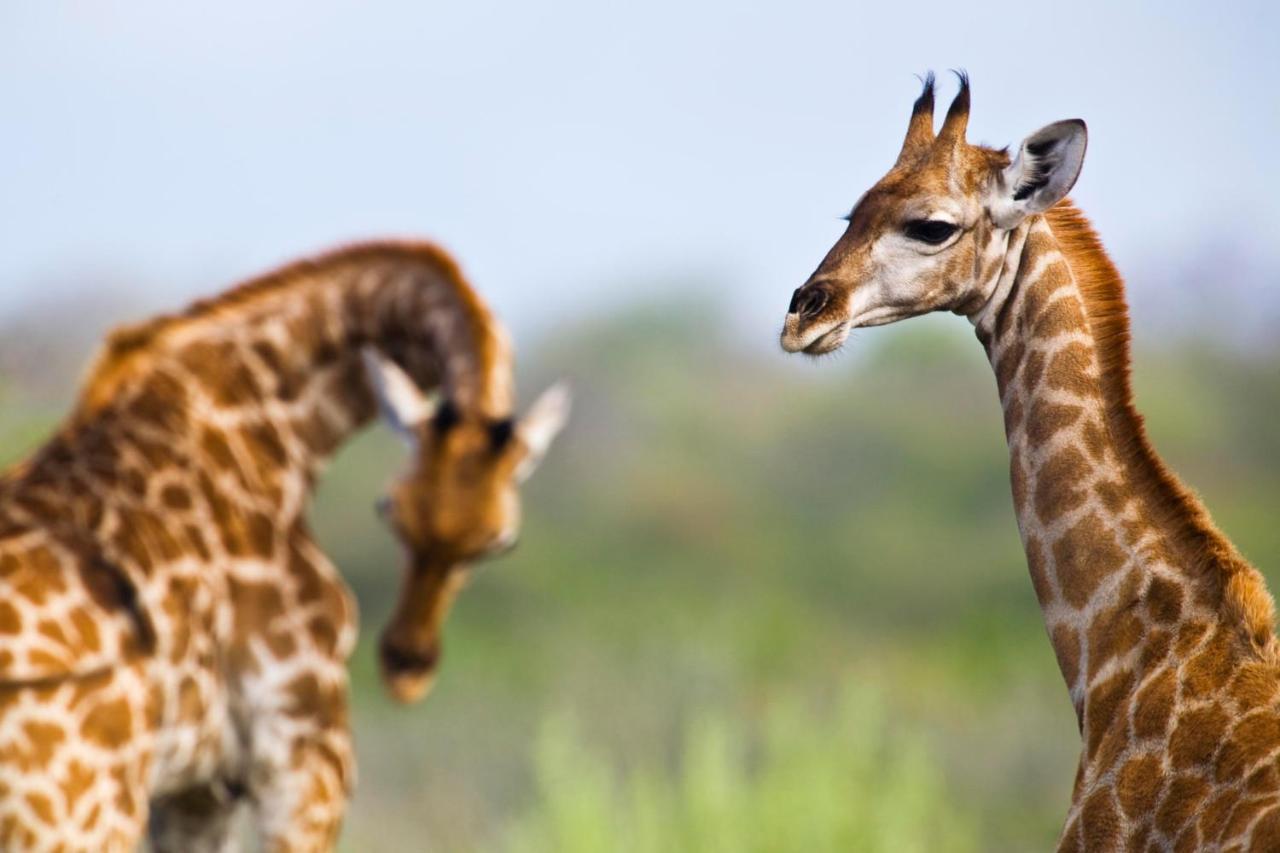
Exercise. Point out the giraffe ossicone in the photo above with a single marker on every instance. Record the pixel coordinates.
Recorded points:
(1163, 632)
(173, 643)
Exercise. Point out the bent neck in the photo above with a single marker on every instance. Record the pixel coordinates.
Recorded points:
(1121, 556)
(265, 382)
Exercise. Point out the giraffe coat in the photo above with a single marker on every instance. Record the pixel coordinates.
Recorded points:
(172, 640)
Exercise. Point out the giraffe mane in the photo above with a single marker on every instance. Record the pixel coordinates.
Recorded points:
(1204, 549)
(124, 353)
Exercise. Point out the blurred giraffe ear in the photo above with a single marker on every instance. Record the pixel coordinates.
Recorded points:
(541, 424)
(1043, 172)
(403, 404)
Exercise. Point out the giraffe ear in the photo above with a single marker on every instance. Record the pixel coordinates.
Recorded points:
(541, 424)
(1041, 174)
(403, 404)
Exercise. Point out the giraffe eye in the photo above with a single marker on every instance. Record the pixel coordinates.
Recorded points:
(931, 231)
(500, 432)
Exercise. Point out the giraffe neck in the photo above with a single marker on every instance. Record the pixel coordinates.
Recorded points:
(1123, 559)
(264, 383)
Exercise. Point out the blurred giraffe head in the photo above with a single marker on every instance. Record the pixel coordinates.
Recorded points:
(457, 503)
(927, 236)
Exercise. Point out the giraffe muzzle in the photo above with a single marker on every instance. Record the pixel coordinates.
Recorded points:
(408, 673)
(811, 325)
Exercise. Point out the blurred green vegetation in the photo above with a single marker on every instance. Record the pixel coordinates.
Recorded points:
(861, 785)
(759, 603)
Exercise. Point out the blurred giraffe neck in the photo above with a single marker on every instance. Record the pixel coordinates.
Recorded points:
(266, 380)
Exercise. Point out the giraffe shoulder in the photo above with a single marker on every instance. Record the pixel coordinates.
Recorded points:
(65, 611)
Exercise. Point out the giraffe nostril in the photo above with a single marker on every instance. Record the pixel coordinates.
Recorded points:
(402, 661)
(795, 301)
(810, 302)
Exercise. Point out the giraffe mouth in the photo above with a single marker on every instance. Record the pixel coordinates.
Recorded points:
(397, 661)
(811, 341)
(795, 340)
(827, 342)
(408, 674)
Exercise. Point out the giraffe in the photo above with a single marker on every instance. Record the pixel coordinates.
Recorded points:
(1162, 631)
(173, 640)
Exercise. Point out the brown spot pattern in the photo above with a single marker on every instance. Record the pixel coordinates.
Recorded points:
(1048, 419)
(1084, 556)
(1058, 484)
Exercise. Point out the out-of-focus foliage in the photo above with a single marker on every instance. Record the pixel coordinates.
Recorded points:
(757, 601)
(841, 781)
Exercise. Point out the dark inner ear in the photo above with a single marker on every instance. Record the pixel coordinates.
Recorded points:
(1049, 155)
(1040, 164)
(1041, 148)
(447, 416)
(501, 431)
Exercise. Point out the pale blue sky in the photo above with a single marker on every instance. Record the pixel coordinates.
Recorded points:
(575, 154)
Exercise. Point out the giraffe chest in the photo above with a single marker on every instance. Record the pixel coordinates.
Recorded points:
(188, 681)
(237, 643)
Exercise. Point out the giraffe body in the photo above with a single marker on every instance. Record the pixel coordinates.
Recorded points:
(1163, 632)
(172, 640)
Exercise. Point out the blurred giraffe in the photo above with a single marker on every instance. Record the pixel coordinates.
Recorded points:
(172, 640)
(1163, 632)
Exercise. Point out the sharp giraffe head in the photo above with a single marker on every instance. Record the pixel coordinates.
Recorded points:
(918, 240)
(457, 503)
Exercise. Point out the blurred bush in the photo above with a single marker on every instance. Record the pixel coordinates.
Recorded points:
(840, 781)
